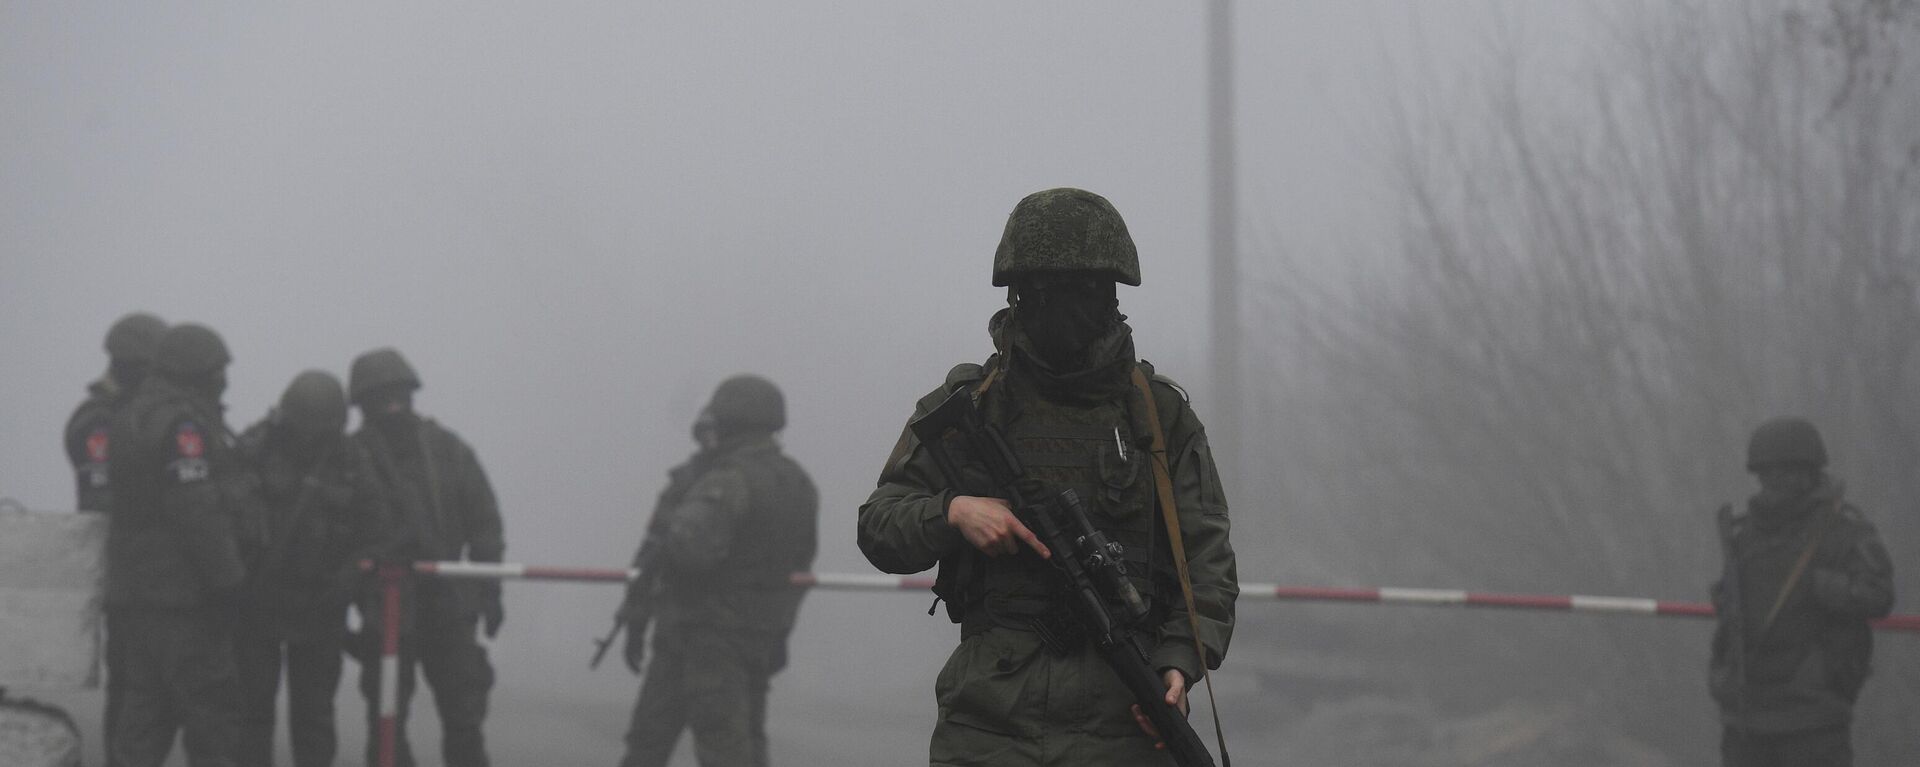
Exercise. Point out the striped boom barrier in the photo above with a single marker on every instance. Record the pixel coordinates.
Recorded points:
(1259, 591)
(391, 575)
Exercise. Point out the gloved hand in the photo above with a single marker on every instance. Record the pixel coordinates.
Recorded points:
(492, 614)
(635, 649)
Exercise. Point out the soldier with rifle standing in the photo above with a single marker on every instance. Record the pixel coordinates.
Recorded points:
(1052, 646)
(735, 521)
(1804, 572)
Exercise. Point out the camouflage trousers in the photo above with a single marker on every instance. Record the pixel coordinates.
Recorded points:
(1005, 701)
(456, 668)
(1822, 747)
(312, 670)
(712, 682)
(177, 678)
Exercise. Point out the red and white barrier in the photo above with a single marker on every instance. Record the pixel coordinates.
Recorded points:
(391, 575)
(1259, 591)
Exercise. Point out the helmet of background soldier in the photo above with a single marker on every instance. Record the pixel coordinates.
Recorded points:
(314, 404)
(190, 351)
(135, 337)
(748, 403)
(379, 369)
(1786, 441)
(1066, 230)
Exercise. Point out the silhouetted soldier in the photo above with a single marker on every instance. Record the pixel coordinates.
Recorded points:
(1804, 571)
(322, 513)
(443, 509)
(130, 345)
(737, 519)
(173, 560)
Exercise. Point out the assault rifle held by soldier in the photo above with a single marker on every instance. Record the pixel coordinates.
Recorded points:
(1093, 574)
(636, 611)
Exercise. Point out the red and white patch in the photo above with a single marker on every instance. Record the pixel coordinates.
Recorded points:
(189, 442)
(97, 446)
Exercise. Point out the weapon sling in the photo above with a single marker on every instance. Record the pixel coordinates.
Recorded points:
(1799, 569)
(277, 549)
(1163, 485)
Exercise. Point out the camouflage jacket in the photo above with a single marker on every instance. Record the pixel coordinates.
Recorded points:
(181, 489)
(320, 516)
(903, 526)
(442, 505)
(88, 434)
(1805, 669)
(744, 524)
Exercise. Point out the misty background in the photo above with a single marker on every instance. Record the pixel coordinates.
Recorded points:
(1517, 279)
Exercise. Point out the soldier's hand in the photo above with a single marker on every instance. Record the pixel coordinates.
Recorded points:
(634, 652)
(990, 526)
(1176, 697)
(492, 615)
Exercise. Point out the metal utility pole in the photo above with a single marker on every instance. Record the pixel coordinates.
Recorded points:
(1223, 203)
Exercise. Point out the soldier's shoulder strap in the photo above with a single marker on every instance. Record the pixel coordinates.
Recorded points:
(1163, 488)
(981, 376)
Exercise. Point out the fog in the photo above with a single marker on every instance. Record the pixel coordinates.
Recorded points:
(574, 219)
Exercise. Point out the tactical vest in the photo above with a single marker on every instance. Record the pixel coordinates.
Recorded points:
(1101, 453)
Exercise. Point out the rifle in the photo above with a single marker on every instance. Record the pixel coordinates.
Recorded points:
(1735, 616)
(1090, 565)
(636, 609)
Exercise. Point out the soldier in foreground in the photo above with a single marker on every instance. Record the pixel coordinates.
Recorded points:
(173, 561)
(443, 508)
(1079, 412)
(1803, 573)
(735, 520)
(322, 514)
(130, 345)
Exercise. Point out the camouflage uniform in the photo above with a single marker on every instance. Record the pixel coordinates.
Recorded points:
(737, 520)
(443, 508)
(1786, 689)
(323, 513)
(1024, 687)
(173, 563)
(130, 346)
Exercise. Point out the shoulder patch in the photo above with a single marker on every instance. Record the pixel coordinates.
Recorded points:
(97, 445)
(189, 462)
(188, 442)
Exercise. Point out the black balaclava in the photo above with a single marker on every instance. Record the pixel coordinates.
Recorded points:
(1786, 496)
(389, 410)
(1068, 329)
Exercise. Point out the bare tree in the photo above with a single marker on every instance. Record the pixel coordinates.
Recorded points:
(1601, 286)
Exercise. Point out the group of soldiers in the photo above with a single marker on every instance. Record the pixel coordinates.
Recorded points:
(232, 559)
(229, 556)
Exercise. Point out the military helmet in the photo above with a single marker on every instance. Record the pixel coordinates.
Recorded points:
(748, 401)
(190, 351)
(314, 403)
(135, 336)
(1786, 441)
(379, 369)
(1066, 230)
